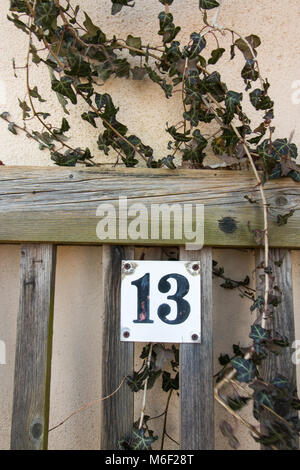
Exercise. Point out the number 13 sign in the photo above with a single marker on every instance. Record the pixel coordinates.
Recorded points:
(160, 301)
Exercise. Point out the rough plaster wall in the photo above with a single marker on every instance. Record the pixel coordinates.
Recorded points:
(76, 352)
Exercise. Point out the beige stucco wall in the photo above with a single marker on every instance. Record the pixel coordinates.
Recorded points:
(77, 329)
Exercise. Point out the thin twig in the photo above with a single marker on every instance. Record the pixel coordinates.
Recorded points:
(86, 405)
(165, 419)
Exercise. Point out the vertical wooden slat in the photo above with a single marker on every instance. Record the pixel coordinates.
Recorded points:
(30, 417)
(117, 356)
(196, 368)
(283, 318)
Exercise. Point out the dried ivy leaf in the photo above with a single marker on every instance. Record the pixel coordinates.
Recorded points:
(238, 402)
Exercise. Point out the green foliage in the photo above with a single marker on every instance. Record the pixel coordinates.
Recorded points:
(80, 58)
(82, 55)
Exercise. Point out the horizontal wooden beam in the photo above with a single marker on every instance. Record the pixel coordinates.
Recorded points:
(58, 205)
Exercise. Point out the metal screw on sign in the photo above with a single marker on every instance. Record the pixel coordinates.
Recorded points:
(195, 267)
(195, 337)
(126, 334)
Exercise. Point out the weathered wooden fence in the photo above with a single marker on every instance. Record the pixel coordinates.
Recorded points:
(41, 208)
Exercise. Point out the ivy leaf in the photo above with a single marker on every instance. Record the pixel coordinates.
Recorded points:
(180, 137)
(169, 383)
(208, 4)
(46, 13)
(242, 45)
(167, 28)
(168, 161)
(194, 152)
(79, 67)
(224, 359)
(89, 25)
(227, 431)
(44, 139)
(35, 94)
(162, 82)
(284, 148)
(64, 87)
(63, 102)
(86, 88)
(246, 370)
(237, 403)
(232, 100)
(18, 23)
(25, 108)
(260, 100)
(216, 54)
(139, 440)
(11, 127)
(90, 117)
(282, 219)
(94, 33)
(261, 398)
(119, 4)
(35, 57)
(138, 73)
(65, 127)
(105, 105)
(212, 84)
(198, 44)
(19, 6)
(136, 380)
(249, 73)
(135, 42)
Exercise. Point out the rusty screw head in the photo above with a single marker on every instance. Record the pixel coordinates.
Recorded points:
(126, 334)
(127, 266)
(195, 337)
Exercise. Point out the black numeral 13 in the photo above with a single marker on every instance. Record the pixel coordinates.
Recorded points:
(164, 286)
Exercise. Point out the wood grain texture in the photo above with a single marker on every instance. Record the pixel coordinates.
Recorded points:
(117, 356)
(196, 368)
(30, 417)
(59, 205)
(283, 318)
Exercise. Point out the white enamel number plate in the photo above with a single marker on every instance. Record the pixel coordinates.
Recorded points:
(160, 301)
